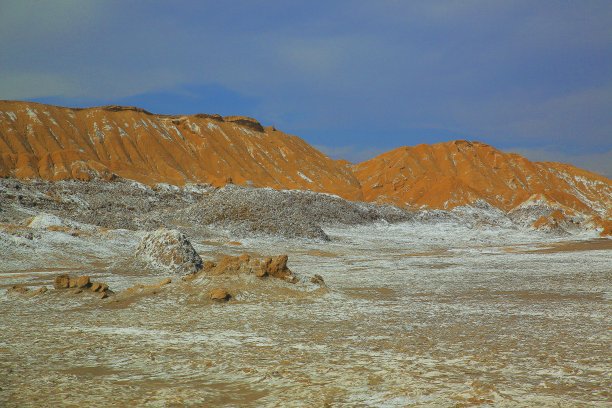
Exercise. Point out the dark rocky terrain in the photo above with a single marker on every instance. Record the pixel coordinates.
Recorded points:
(243, 211)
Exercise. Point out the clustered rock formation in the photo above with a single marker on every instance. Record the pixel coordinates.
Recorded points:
(275, 267)
(82, 283)
(272, 267)
(78, 284)
(24, 290)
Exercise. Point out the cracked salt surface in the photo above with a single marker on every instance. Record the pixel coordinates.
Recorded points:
(416, 314)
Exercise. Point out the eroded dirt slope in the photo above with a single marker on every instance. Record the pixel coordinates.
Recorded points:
(56, 143)
(447, 175)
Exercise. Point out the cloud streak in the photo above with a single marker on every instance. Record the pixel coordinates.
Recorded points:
(346, 73)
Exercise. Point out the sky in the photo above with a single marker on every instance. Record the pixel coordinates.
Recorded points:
(354, 78)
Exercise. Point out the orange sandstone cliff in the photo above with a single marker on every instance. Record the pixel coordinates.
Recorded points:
(446, 175)
(56, 143)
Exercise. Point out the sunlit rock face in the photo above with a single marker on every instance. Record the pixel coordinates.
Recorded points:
(447, 175)
(106, 143)
(55, 143)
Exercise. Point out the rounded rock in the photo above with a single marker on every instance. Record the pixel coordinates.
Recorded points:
(220, 295)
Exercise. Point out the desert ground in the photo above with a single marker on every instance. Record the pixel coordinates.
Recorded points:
(426, 311)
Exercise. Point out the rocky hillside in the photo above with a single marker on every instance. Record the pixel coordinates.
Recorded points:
(55, 143)
(447, 175)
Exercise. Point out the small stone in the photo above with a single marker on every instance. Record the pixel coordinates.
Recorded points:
(18, 289)
(189, 277)
(98, 287)
(277, 268)
(258, 268)
(220, 295)
(317, 279)
(39, 291)
(278, 265)
(261, 272)
(61, 282)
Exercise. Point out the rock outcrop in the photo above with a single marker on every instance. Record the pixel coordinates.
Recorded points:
(61, 282)
(169, 249)
(275, 267)
(140, 290)
(24, 290)
(231, 277)
(557, 221)
(264, 211)
(51, 222)
(80, 284)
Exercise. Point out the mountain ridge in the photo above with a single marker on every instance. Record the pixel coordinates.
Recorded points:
(57, 143)
(448, 174)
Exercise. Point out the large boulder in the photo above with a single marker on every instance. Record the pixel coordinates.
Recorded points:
(169, 249)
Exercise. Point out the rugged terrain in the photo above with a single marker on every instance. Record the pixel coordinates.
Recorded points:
(242, 211)
(55, 143)
(446, 175)
(150, 260)
(448, 308)
(246, 211)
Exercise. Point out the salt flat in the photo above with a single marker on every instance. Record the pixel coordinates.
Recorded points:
(413, 314)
